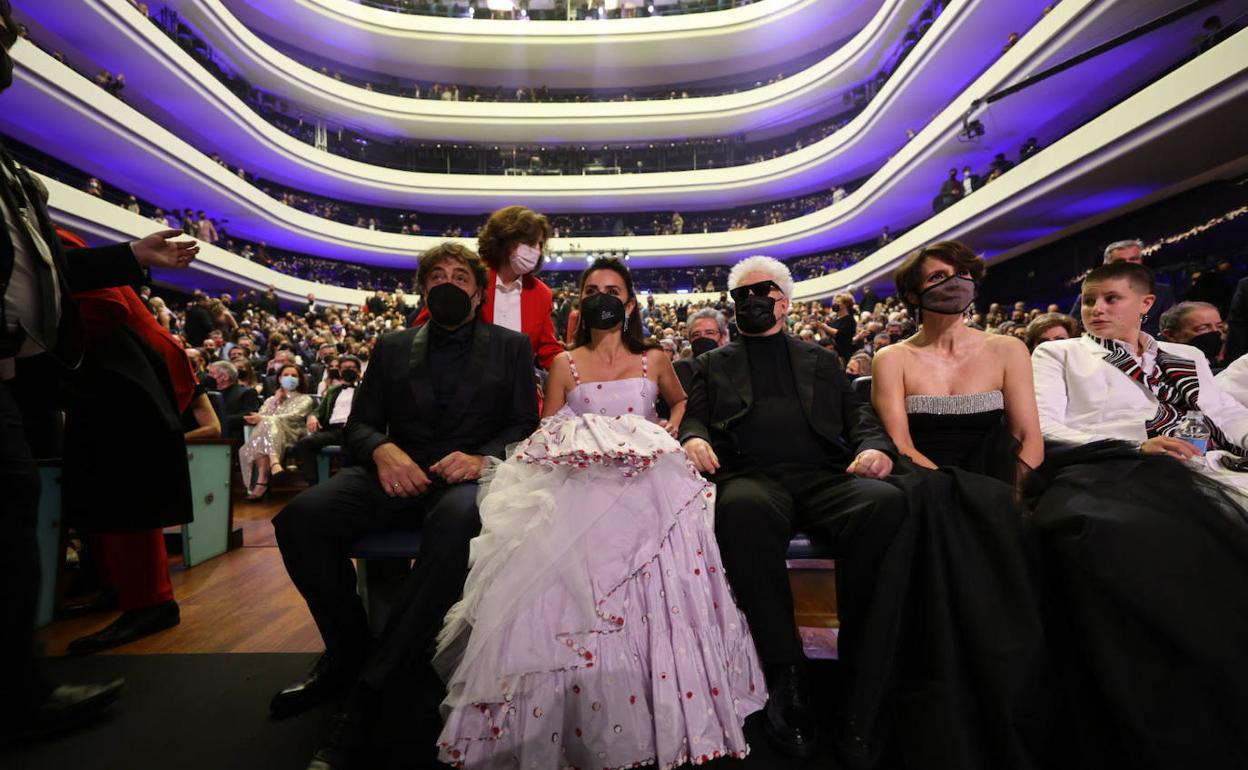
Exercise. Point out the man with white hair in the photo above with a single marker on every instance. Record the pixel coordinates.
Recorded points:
(774, 423)
(1133, 251)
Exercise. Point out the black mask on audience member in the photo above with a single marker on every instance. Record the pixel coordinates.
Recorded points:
(349, 376)
(702, 345)
(602, 311)
(950, 297)
(449, 305)
(756, 315)
(1209, 343)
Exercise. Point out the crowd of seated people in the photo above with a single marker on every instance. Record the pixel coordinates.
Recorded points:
(448, 157)
(955, 188)
(980, 353)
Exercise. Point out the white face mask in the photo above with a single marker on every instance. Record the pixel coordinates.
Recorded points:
(524, 258)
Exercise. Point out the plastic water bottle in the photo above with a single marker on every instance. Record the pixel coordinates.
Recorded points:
(1193, 430)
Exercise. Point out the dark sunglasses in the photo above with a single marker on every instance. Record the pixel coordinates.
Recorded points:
(760, 289)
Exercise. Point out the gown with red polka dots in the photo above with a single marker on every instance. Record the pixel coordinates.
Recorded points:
(597, 629)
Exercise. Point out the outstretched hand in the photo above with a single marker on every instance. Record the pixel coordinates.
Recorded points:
(157, 250)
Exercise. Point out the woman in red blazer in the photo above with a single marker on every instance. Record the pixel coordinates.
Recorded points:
(511, 244)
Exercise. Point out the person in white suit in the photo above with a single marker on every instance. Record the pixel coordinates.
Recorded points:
(1118, 382)
(1145, 539)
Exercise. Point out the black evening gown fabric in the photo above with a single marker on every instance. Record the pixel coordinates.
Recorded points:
(1147, 581)
(973, 686)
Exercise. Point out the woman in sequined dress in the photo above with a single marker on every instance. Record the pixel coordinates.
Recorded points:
(596, 627)
(281, 421)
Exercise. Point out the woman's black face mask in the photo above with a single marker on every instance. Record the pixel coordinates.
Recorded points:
(602, 311)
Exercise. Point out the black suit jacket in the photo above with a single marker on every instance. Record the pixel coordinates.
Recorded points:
(496, 403)
(78, 270)
(684, 372)
(239, 400)
(198, 324)
(721, 394)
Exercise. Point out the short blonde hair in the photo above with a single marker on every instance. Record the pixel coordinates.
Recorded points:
(773, 267)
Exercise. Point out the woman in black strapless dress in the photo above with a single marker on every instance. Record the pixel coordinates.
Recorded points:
(1092, 613)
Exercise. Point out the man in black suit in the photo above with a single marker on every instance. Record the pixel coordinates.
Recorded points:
(377, 303)
(268, 302)
(239, 400)
(198, 320)
(41, 337)
(438, 400)
(327, 424)
(312, 310)
(774, 423)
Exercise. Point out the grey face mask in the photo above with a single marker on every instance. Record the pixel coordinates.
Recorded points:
(949, 297)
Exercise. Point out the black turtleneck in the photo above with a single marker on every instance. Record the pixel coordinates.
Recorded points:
(448, 357)
(776, 429)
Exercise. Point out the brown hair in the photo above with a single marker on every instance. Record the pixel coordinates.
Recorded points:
(1139, 276)
(507, 227)
(845, 301)
(1042, 323)
(908, 278)
(303, 378)
(450, 251)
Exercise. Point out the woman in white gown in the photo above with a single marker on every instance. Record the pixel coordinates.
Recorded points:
(596, 627)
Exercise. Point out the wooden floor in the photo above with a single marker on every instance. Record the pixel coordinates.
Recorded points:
(243, 601)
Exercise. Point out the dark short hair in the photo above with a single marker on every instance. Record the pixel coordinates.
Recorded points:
(1139, 276)
(908, 277)
(454, 252)
(355, 360)
(507, 227)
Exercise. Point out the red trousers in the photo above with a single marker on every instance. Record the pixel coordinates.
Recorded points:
(136, 565)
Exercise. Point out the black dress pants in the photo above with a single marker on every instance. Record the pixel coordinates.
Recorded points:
(307, 449)
(315, 532)
(868, 528)
(23, 673)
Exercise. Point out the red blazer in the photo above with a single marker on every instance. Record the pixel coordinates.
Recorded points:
(536, 306)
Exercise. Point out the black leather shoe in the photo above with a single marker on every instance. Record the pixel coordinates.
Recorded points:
(854, 750)
(104, 601)
(132, 625)
(65, 708)
(343, 737)
(790, 722)
(329, 677)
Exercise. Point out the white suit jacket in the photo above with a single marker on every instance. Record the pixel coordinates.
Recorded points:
(1082, 398)
(1234, 380)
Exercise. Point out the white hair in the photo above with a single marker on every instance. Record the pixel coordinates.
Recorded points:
(1116, 245)
(773, 267)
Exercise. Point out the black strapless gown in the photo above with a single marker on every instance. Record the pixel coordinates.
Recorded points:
(1103, 625)
(1146, 563)
(975, 690)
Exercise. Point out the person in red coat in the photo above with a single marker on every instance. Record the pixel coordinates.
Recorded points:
(133, 562)
(511, 244)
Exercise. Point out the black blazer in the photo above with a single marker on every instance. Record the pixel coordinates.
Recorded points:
(684, 372)
(496, 404)
(78, 269)
(722, 394)
(239, 400)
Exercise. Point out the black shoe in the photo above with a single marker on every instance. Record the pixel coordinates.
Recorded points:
(328, 678)
(64, 708)
(790, 722)
(105, 600)
(132, 625)
(341, 742)
(854, 750)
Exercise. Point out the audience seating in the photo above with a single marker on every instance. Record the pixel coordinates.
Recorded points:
(211, 464)
(218, 405)
(50, 536)
(862, 388)
(323, 460)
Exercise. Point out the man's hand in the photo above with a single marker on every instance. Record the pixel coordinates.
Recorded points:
(399, 475)
(156, 250)
(871, 464)
(457, 467)
(251, 419)
(701, 455)
(1168, 445)
(313, 424)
